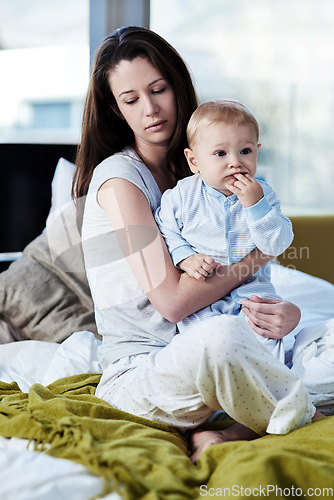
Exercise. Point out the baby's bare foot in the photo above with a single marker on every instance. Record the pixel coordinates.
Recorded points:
(201, 440)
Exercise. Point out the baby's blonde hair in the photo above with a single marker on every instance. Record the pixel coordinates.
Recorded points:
(219, 111)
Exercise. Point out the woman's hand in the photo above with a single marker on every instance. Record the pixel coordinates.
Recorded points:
(272, 318)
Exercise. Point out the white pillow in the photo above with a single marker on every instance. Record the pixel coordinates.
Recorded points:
(61, 185)
(314, 297)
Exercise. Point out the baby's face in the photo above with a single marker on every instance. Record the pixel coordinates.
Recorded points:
(223, 150)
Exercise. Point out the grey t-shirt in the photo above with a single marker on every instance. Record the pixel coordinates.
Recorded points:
(124, 316)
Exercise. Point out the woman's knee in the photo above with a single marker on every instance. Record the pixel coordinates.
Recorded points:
(223, 335)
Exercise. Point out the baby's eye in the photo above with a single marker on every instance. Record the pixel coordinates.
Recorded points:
(246, 151)
(220, 153)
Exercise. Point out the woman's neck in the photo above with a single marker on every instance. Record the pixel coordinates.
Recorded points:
(155, 158)
(153, 155)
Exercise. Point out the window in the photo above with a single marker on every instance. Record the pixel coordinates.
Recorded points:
(276, 58)
(44, 60)
(51, 115)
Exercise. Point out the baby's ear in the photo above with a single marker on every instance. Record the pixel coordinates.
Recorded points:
(191, 160)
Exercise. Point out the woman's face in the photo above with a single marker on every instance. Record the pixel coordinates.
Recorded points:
(145, 100)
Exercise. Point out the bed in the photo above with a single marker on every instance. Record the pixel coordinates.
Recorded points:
(58, 441)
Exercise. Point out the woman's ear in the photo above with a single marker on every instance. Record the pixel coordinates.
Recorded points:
(192, 162)
(117, 112)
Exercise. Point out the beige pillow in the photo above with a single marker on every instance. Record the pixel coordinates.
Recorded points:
(45, 293)
(9, 333)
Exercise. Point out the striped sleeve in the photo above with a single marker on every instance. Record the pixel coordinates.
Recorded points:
(169, 219)
(271, 231)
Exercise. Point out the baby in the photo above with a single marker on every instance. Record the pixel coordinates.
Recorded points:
(222, 212)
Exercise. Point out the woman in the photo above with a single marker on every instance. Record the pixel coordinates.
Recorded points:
(138, 104)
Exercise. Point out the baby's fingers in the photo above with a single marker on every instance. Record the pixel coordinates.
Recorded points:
(199, 275)
(243, 179)
(210, 261)
(209, 264)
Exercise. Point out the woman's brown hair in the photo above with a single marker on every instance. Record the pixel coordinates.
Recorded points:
(104, 133)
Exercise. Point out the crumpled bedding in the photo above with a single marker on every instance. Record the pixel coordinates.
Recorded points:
(29, 475)
(26, 474)
(134, 458)
(144, 460)
(313, 361)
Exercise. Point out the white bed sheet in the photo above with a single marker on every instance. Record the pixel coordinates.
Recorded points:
(24, 473)
(32, 361)
(29, 475)
(314, 297)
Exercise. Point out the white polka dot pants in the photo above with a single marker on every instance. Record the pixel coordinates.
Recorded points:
(219, 365)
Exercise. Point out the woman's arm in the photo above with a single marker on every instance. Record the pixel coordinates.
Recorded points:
(173, 294)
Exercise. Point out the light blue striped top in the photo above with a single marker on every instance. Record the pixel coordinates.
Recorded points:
(196, 218)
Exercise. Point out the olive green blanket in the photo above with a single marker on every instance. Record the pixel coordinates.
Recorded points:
(142, 460)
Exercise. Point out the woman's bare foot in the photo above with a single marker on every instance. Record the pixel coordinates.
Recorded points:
(318, 414)
(201, 440)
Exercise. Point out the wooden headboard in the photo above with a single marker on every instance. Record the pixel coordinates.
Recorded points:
(312, 249)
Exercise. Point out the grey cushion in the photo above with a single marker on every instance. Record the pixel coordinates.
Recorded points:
(45, 293)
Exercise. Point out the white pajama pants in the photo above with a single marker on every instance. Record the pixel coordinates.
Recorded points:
(219, 365)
